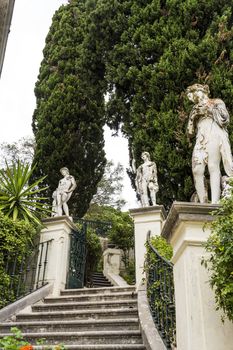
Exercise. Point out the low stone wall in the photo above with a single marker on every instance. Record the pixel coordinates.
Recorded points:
(10, 310)
(150, 335)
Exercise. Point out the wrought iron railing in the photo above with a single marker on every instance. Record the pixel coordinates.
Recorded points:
(23, 272)
(160, 292)
(76, 272)
(101, 227)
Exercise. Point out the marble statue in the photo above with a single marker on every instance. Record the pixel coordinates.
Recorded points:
(62, 194)
(146, 181)
(208, 120)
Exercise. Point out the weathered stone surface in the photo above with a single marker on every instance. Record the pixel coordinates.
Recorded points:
(198, 324)
(107, 319)
(208, 120)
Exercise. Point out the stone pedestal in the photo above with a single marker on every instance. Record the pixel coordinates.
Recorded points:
(145, 219)
(112, 260)
(199, 325)
(58, 230)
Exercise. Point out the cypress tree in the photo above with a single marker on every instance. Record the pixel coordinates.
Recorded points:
(69, 116)
(144, 53)
(165, 47)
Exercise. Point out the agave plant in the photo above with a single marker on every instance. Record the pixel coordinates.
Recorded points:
(18, 198)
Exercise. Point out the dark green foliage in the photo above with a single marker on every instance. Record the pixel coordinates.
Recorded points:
(121, 233)
(69, 117)
(144, 54)
(94, 254)
(15, 238)
(161, 245)
(129, 273)
(164, 47)
(160, 288)
(220, 260)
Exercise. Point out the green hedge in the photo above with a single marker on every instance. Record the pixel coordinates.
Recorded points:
(220, 260)
(15, 239)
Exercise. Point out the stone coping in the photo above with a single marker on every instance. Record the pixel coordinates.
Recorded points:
(59, 219)
(116, 280)
(150, 335)
(187, 211)
(20, 304)
(149, 210)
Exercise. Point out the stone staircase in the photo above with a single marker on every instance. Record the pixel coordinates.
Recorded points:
(96, 318)
(99, 280)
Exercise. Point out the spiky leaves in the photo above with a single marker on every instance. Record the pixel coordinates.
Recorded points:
(18, 199)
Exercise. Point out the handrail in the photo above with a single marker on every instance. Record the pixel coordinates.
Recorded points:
(160, 293)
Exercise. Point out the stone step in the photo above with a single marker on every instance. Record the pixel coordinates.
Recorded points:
(87, 338)
(97, 297)
(70, 325)
(96, 347)
(40, 307)
(99, 283)
(99, 277)
(92, 291)
(78, 314)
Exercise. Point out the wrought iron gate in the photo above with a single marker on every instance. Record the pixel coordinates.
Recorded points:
(75, 278)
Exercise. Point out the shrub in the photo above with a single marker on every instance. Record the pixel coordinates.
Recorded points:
(15, 239)
(93, 255)
(220, 259)
(19, 199)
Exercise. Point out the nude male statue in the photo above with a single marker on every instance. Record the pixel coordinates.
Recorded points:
(65, 188)
(146, 181)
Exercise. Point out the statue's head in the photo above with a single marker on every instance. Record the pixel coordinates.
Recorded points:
(64, 171)
(196, 91)
(145, 155)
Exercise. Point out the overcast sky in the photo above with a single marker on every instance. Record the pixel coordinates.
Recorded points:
(30, 24)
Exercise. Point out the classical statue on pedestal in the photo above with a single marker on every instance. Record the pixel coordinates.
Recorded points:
(146, 181)
(62, 194)
(208, 120)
